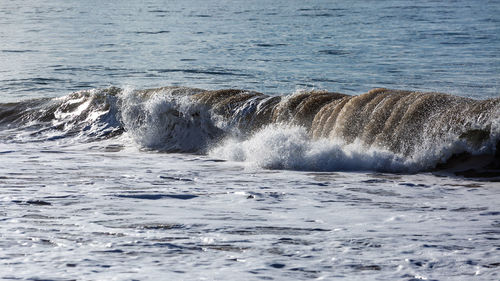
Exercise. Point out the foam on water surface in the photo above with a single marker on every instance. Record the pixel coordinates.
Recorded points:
(92, 212)
(284, 147)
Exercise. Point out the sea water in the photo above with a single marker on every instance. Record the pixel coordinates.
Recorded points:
(104, 178)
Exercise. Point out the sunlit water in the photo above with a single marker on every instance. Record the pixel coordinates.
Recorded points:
(72, 209)
(55, 47)
(94, 213)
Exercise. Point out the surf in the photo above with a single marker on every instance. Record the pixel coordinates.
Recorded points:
(381, 130)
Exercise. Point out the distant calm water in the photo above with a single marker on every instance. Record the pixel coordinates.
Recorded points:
(300, 172)
(54, 47)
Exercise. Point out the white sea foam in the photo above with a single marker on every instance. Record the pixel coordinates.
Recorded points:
(167, 122)
(279, 146)
(290, 147)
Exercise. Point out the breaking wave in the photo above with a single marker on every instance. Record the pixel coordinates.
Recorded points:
(383, 130)
(290, 147)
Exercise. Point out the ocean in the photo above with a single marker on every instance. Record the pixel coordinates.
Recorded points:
(249, 140)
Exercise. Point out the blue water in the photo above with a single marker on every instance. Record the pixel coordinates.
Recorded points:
(50, 48)
(84, 194)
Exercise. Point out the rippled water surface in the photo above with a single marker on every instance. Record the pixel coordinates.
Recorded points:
(88, 191)
(107, 213)
(55, 47)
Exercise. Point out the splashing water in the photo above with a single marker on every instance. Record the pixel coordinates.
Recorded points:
(382, 130)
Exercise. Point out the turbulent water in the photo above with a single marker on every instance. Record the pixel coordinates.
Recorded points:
(280, 145)
(382, 130)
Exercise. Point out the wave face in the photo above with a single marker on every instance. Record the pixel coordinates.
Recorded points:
(386, 130)
(86, 115)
